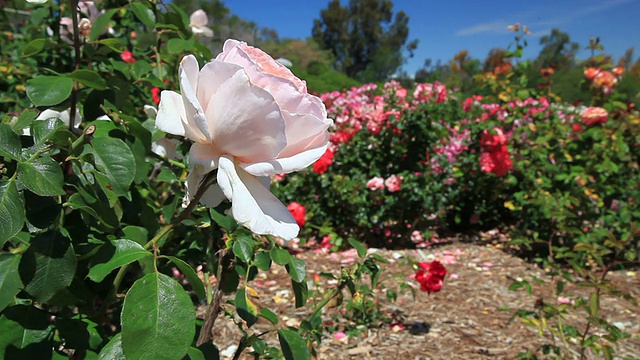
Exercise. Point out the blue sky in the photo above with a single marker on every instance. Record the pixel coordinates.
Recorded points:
(445, 27)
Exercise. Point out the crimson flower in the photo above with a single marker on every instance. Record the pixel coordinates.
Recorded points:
(127, 56)
(299, 212)
(431, 276)
(321, 166)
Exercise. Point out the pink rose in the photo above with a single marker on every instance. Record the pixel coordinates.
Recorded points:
(375, 183)
(249, 118)
(393, 183)
(593, 116)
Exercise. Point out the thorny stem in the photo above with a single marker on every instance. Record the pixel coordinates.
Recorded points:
(213, 309)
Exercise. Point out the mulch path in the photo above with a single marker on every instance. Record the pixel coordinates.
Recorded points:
(466, 320)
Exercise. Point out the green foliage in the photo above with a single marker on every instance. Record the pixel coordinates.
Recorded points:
(364, 37)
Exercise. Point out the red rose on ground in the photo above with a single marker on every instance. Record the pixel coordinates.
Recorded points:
(431, 276)
(299, 212)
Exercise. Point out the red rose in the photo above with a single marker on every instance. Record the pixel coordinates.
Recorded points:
(321, 166)
(431, 276)
(127, 56)
(155, 94)
(299, 212)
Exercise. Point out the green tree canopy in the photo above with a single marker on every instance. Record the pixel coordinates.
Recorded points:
(365, 38)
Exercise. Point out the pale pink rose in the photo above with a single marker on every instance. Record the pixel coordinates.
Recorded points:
(416, 237)
(198, 22)
(393, 183)
(564, 300)
(375, 183)
(250, 118)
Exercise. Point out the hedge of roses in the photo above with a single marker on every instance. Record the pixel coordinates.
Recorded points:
(429, 160)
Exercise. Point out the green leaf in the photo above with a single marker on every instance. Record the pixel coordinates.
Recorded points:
(10, 146)
(144, 14)
(34, 47)
(192, 277)
(297, 269)
(177, 45)
(27, 333)
(158, 319)
(262, 260)
(362, 250)
(123, 252)
(12, 211)
(113, 349)
(301, 292)
(49, 131)
(246, 309)
(226, 222)
(269, 315)
(116, 161)
(10, 283)
(89, 78)
(24, 120)
(113, 44)
(101, 24)
(48, 266)
(243, 250)
(42, 176)
(293, 346)
(49, 90)
(280, 256)
(195, 354)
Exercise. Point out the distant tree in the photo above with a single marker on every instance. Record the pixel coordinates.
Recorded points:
(558, 51)
(365, 42)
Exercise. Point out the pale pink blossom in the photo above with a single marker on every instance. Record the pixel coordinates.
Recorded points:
(375, 183)
(393, 183)
(249, 118)
(198, 22)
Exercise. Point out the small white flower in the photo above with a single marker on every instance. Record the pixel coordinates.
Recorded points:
(198, 23)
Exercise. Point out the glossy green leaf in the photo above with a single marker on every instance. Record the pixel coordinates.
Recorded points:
(195, 354)
(360, 248)
(192, 277)
(177, 45)
(10, 146)
(49, 90)
(113, 44)
(269, 315)
(243, 250)
(101, 23)
(34, 47)
(24, 120)
(297, 269)
(246, 309)
(293, 346)
(158, 319)
(51, 130)
(48, 266)
(123, 252)
(301, 292)
(144, 14)
(113, 349)
(89, 78)
(226, 222)
(115, 160)
(280, 256)
(12, 211)
(43, 176)
(262, 260)
(26, 333)
(10, 283)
